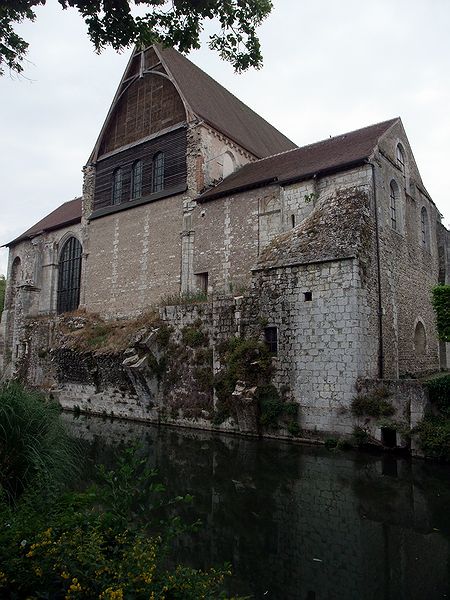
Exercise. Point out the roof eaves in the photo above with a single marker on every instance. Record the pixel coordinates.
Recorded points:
(236, 190)
(36, 233)
(286, 181)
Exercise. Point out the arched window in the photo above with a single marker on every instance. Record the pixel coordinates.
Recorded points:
(117, 186)
(401, 158)
(136, 180)
(158, 172)
(69, 276)
(425, 228)
(394, 196)
(229, 164)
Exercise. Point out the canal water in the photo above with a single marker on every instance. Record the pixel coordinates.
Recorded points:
(299, 522)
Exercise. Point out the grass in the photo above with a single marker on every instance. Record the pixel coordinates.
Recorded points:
(34, 446)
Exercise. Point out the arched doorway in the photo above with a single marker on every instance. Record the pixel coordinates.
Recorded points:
(69, 276)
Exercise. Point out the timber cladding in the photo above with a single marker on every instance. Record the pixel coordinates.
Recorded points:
(149, 105)
(172, 144)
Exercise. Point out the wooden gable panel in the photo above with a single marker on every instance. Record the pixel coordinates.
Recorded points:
(149, 105)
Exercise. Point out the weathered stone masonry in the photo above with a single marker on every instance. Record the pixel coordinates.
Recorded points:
(326, 254)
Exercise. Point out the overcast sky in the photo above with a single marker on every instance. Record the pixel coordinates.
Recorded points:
(329, 67)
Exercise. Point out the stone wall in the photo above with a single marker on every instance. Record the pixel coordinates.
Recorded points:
(325, 343)
(409, 268)
(32, 282)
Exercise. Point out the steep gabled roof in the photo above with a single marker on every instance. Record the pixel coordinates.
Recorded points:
(207, 100)
(222, 110)
(340, 152)
(67, 214)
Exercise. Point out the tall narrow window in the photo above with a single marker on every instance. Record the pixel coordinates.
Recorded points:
(425, 228)
(394, 194)
(69, 276)
(136, 180)
(401, 158)
(117, 186)
(271, 339)
(158, 172)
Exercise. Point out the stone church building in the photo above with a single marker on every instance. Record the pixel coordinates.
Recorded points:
(188, 191)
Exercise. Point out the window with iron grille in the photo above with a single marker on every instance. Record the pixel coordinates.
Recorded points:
(394, 197)
(401, 158)
(69, 276)
(136, 180)
(117, 186)
(158, 172)
(271, 339)
(425, 228)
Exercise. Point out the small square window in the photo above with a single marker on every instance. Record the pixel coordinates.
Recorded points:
(201, 282)
(388, 437)
(271, 339)
(308, 296)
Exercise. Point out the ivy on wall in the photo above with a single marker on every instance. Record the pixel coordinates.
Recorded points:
(441, 305)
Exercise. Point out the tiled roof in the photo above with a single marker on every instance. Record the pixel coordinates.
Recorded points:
(223, 111)
(63, 216)
(331, 154)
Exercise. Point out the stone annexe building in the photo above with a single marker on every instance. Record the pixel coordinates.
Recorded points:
(337, 244)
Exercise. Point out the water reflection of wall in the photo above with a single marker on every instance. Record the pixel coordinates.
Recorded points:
(300, 522)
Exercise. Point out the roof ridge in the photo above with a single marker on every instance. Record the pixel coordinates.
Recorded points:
(326, 139)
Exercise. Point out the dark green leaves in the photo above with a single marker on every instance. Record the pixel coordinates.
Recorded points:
(178, 24)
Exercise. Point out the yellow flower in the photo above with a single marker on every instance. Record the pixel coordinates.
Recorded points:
(65, 575)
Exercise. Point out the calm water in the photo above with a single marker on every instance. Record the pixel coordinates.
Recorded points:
(299, 522)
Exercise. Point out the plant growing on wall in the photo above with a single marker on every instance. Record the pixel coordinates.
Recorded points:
(441, 305)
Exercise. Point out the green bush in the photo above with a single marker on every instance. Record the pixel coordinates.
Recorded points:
(439, 393)
(34, 446)
(434, 437)
(107, 542)
(372, 406)
(360, 436)
(246, 360)
(441, 305)
(194, 337)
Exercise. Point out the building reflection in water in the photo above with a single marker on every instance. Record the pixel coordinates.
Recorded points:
(298, 522)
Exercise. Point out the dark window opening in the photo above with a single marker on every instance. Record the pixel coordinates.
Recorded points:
(201, 280)
(117, 186)
(271, 339)
(401, 158)
(388, 437)
(394, 194)
(136, 180)
(293, 220)
(158, 172)
(308, 296)
(425, 228)
(69, 276)
(389, 466)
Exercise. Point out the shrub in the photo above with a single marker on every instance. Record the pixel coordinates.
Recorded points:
(441, 305)
(439, 393)
(34, 446)
(360, 436)
(194, 337)
(107, 542)
(372, 406)
(434, 437)
(245, 360)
